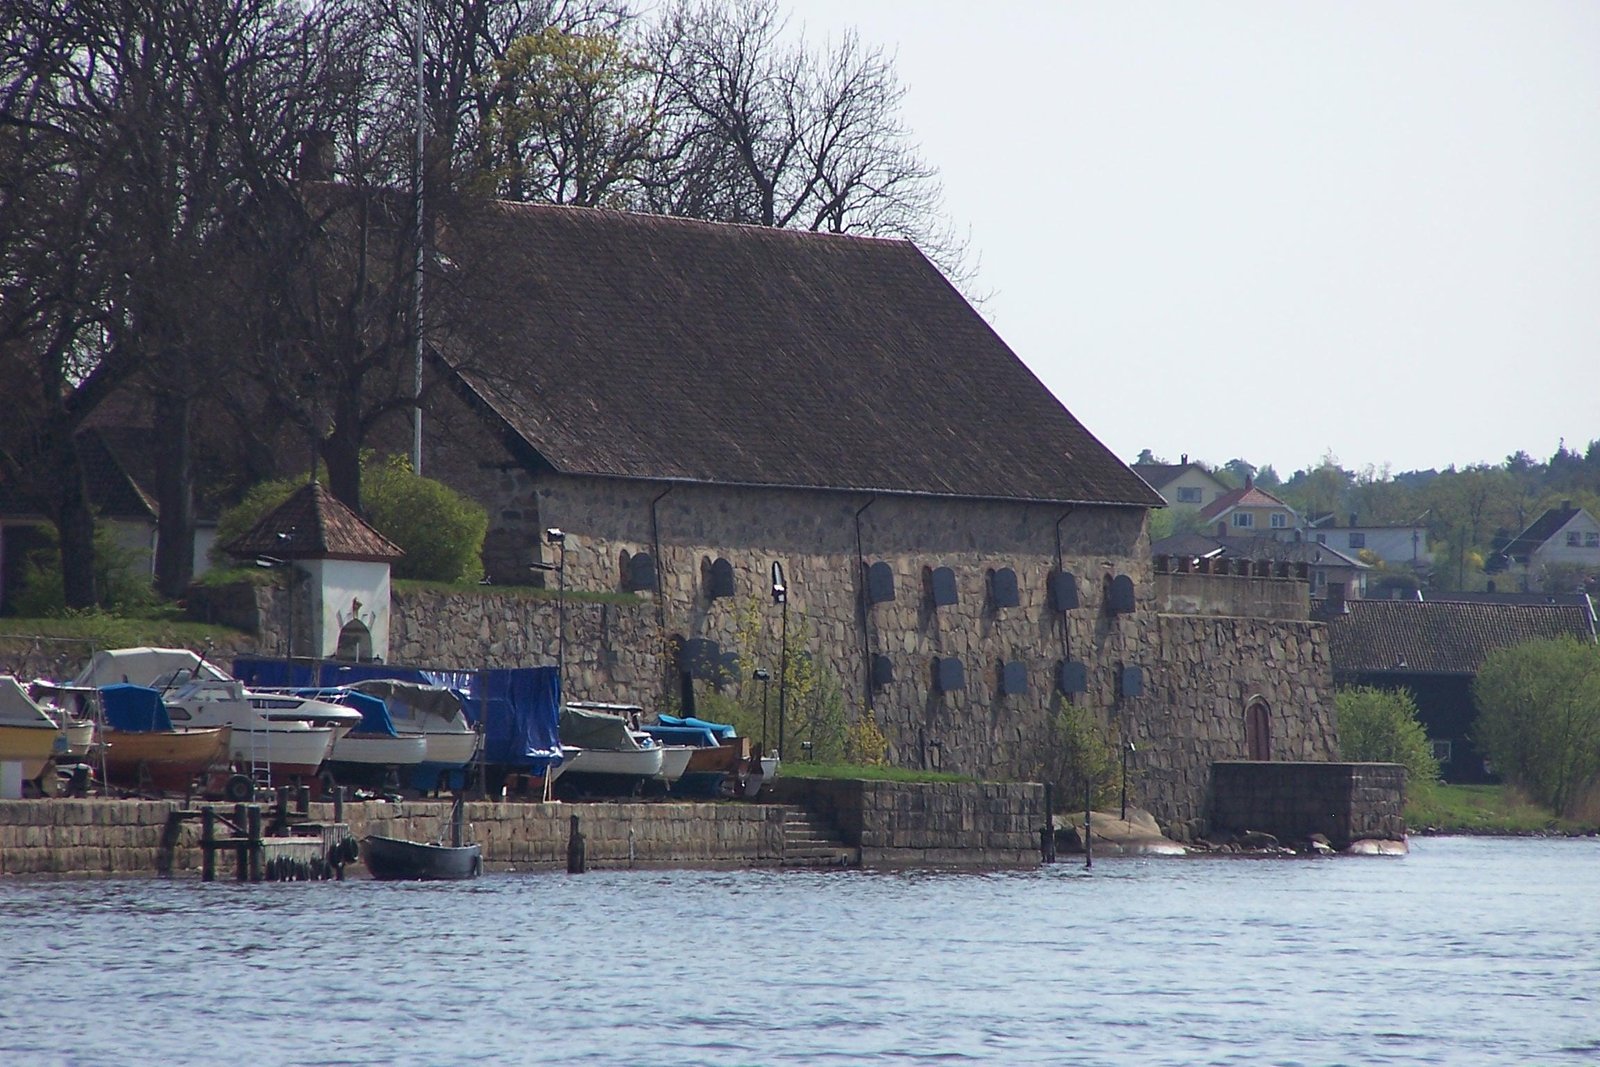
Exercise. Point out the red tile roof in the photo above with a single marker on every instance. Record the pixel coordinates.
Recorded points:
(1250, 496)
(313, 524)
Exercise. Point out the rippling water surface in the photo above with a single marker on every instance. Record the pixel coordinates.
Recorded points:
(1468, 951)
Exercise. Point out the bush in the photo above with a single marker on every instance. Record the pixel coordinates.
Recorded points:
(121, 579)
(1080, 758)
(1380, 726)
(1539, 718)
(440, 530)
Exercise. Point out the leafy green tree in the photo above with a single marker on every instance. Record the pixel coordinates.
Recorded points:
(119, 575)
(1539, 717)
(1080, 758)
(440, 530)
(237, 521)
(1381, 726)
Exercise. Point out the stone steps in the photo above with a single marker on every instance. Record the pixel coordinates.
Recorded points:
(811, 841)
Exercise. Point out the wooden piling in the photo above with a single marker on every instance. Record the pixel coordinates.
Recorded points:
(254, 846)
(208, 844)
(575, 857)
(1047, 833)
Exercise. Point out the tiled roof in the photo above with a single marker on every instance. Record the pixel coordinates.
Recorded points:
(1439, 637)
(114, 493)
(1538, 532)
(313, 524)
(659, 348)
(1249, 496)
(1264, 549)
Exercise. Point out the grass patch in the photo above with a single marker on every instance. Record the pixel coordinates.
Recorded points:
(527, 592)
(872, 774)
(1480, 809)
(112, 631)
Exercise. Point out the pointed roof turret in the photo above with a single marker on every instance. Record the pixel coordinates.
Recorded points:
(313, 524)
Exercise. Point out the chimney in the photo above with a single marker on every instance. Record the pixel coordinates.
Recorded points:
(1184, 459)
(1353, 518)
(1566, 505)
(1336, 601)
(1249, 481)
(316, 156)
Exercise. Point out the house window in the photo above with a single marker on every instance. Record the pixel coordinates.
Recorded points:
(1188, 496)
(1322, 539)
(1319, 580)
(1358, 540)
(1572, 538)
(1279, 520)
(1441, 751)
(1243, 519)
(1591, 539)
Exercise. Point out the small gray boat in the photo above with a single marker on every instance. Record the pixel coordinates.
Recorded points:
(390, 859)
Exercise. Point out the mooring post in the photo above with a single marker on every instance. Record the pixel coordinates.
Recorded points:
(458, 821)
(241, 854)
(338, 803)
(208, 844)
(255, 842)
(575, 860)
(302, 800)
(1047, 833)
(1088, 839)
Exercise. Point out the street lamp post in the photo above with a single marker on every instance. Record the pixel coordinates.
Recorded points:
(764, 676)
(780, 596)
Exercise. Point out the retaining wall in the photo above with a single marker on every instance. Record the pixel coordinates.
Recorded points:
(988, 824)
(1345, 802)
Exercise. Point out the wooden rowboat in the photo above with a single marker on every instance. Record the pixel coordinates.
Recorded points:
(390, 859)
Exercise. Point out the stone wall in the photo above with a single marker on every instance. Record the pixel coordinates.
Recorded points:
(125, 838)
(1248, 596)
(1205, 672)
(986, 824)
(1345, 802)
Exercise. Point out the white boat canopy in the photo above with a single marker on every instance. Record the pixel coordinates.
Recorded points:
(144, 666)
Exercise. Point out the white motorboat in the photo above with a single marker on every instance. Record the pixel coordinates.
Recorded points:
(288, 734)
(433, 711)
(674, 761)
(601, 756)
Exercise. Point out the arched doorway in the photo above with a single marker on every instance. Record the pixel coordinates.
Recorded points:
(355, 642)
(1258, 731)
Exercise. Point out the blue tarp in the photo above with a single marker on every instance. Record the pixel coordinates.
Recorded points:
(518, 706)
(374, 712)
(135, 708)
(720, 729)
(698, 736)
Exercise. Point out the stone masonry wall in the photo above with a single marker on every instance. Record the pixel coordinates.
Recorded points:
(1345, 802)
(932, 824)
(123, 838)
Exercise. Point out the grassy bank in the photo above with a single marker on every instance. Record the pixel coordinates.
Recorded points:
(871, 774)
(1482, 809)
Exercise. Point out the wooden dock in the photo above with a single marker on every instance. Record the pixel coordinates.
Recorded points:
(274, 844)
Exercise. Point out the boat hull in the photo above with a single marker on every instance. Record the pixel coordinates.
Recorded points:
(27, 742)
(380, 750)
(390, 859)
(170, 761)
(606, 772)
(287, 752)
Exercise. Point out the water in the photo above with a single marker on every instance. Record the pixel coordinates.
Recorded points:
(1468, 951)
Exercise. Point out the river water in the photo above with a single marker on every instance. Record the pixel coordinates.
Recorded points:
(1467, 951)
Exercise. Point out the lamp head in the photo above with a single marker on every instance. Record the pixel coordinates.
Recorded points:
(761, 674)
(555, 536)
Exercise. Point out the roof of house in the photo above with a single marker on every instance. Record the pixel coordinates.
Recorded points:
(314, 524)
(660, 348)
(1538, 532)
(1438, 637)
(1264, 549)
(114, 490)
(1248, 495)
(1161, 474)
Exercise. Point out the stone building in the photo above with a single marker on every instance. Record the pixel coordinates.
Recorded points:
(693, 403)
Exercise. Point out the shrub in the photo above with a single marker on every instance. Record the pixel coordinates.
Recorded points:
(1380, 726)
(1081, 758)
(121, 579)
(440, 530)
(1539, 717)
(237, 521)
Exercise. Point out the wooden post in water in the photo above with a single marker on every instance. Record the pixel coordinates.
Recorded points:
(241, 855)
(208, 844)
(1047, 833)
(458, 821)
(1088, 837)
(255, 842)
(338, 803)
(575, 859)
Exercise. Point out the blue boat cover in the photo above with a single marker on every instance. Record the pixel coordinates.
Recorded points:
(697, 736)
(134, 708)
(721, 729)
(517, 706)
(374, 712)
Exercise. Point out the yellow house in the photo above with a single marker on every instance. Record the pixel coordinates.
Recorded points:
(1250, 511)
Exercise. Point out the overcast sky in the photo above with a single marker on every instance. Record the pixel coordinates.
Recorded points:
(1274, 230)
